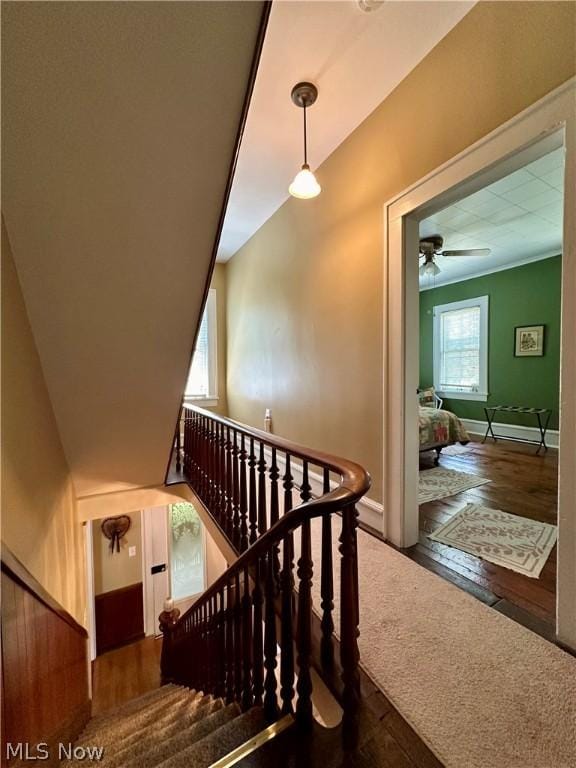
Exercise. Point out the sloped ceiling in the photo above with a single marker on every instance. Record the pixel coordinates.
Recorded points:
(119, 127)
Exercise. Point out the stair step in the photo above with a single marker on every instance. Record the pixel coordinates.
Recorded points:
(165, 749)
(171, 722)
(220, 742)
(117, 727)
(132, 706)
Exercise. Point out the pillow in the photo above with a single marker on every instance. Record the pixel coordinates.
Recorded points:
(427, 397)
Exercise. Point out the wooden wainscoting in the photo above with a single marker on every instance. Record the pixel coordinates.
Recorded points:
(119, 617)
(44, 665)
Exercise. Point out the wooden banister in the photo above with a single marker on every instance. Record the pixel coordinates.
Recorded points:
(228, 641)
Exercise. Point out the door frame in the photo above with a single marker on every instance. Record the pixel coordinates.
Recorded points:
(494, 156)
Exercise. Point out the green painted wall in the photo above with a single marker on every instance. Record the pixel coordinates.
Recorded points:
(526, 295)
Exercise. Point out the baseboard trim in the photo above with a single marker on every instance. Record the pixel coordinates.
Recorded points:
(477, 427)
(370, 512)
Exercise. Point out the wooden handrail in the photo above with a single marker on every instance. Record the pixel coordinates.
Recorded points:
(227, 641)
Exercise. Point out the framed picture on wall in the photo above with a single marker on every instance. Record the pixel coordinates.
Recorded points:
(529, 341)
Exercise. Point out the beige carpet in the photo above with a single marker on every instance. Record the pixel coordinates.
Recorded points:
(481, 690)
(438, 483)
(511, 541)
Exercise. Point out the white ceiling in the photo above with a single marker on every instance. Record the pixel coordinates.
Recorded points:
(355, 58)
(119, 128)
(518, 217)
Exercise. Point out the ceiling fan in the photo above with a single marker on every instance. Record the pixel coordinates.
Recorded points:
(431, 246)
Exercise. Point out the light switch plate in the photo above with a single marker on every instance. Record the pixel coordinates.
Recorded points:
(131, 551)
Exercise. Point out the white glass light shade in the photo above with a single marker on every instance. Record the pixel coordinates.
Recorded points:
(429, 268)
(305, 185)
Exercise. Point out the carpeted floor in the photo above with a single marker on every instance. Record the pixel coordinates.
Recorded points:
(481, 690)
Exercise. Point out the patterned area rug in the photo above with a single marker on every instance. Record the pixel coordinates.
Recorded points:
(438, 483)
(511, 541)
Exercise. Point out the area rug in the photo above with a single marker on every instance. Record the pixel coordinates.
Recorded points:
(511, 541)
(455, 450)
(438, 483)
(481, 690)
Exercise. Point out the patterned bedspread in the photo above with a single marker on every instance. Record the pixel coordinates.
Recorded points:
(438, 426)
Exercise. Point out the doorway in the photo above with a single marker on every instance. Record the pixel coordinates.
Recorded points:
(175, 559)
(539, 129)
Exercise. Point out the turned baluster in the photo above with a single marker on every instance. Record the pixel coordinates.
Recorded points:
(235, 493)
(209, 475)
(167, 621)
(229, 486)
(222, 460)
(178, 442)
(258, 649)
(304, 630)
(214, 642)
(262, 527)
(229, 617)
(202, 458)
(274, 510)
(270, 700)
(252, 511)
(327, 586)
(237, 639)
(349, 619)
(243, 496)
(196, 459)
(220, 689)
(286, 630)
(247, 698)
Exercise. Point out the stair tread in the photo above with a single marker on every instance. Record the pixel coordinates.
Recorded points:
(118, 727)
(164, 728)
(132, 706)
(182, 740)
(220, 742)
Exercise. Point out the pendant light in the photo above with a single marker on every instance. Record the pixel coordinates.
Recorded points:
(304, 185)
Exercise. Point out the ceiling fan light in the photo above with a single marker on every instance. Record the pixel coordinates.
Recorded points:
(429, 268)
(305, 184)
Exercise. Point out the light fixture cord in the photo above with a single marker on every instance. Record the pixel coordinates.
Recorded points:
(305, 139)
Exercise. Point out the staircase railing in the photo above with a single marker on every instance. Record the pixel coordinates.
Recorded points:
(258, 615)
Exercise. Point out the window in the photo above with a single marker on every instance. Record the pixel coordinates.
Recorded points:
(202, 382)
(187, 560)
(461, 349)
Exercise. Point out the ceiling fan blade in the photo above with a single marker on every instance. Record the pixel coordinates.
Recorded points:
(469, 252)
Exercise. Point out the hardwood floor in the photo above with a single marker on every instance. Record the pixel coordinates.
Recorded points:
(125, 673)
(522, 483)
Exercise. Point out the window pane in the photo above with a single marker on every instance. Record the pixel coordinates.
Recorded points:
(187, 555)
(460, 348)
(199, 379)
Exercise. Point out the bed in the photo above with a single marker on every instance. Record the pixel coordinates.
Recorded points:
(439, 428)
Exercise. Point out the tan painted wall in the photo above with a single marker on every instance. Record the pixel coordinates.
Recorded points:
(39, 522)
(305, 294)
(114, 570)
(219, 283)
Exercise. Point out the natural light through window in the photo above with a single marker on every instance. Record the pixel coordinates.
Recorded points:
(202, 383)
(461, 349)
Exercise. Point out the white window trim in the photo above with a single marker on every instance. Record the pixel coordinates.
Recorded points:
(212, 397)
(453, 392)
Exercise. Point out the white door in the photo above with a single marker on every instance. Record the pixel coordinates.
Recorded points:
(156, 565)
(175, 559)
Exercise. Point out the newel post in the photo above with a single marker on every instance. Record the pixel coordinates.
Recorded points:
(167, 620)
(349, 632)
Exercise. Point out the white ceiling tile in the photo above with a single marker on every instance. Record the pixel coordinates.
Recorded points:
(553, 213)
(514, 180)
(507, 213)
(472, 202)
(537, 202)
(457, 218)
(525, 191)
(547, 163)
(555, 178)
(491, 205)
